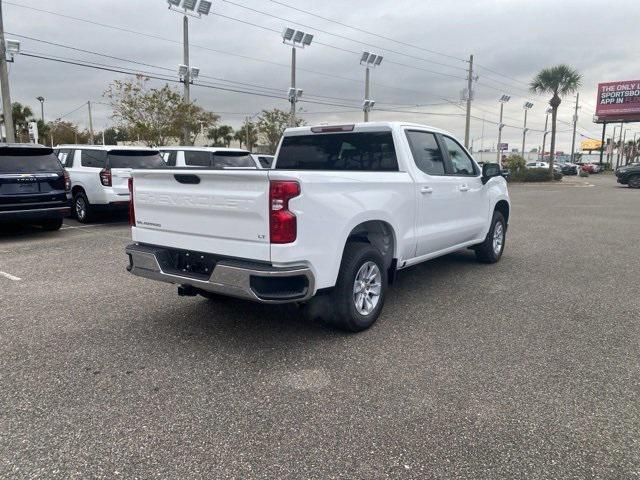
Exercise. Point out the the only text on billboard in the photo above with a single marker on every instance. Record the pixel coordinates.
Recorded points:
(618, 101)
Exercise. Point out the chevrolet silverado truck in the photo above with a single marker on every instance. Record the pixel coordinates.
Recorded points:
(341, 211)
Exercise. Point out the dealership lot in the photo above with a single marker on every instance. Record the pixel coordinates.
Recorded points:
(525, 368)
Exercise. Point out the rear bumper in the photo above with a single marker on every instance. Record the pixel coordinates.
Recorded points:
(236, 278)
(33, 214)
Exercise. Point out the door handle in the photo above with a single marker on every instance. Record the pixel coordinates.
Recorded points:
(464, 188)
(424, 190)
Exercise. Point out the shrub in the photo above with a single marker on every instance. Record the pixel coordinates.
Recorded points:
(536, 175)
(582, 173)
(515, 163)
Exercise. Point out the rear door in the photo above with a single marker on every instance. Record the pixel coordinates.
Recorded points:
(224, 212)
(122, 162)
(30, 178)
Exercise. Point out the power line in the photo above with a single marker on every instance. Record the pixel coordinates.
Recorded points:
(344, 37)
(72, 111)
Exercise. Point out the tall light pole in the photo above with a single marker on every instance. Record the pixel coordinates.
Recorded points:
(41, 100)
(527, 106)
(295, 39)
(613, 147)
(188, 8)
(546, 132)
(90, 123)
(619, 144)
(4, 86)
(504, 99)
(369, 61)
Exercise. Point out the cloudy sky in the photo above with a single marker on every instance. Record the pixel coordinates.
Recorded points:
(238, 47)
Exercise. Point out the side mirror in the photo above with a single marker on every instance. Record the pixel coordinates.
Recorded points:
(490, 170)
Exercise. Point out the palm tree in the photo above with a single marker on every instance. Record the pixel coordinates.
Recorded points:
(21, 117)
(221, 135)
(560, 80)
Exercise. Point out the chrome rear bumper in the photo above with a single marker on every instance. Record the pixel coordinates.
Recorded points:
(234, 278)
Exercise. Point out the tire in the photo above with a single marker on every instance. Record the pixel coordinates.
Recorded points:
(51, 225)
(359, 259)
(487, 251)
(82, 208)
(634, 181)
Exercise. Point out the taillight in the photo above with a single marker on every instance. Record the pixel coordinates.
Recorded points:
(105, 177)
(282, 223)
(67, 182)
(132, 212)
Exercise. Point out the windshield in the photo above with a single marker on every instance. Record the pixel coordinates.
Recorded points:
(28, 160)
(135, 159)
(232, 159)
(366, 151)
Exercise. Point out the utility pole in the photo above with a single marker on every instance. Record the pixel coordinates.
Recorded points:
(90, 124)
(619, 144)
(604, 133)
(500, 125)
(4, 86)
(246, 128)
(575, 124)
(103, 144)
(624, 140)
(544, 136)
(187, 77)
(469, 95)
(292, 95)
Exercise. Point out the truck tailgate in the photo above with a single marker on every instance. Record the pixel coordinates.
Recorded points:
(225, 212)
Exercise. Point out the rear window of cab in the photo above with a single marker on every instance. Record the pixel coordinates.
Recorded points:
(353, 151)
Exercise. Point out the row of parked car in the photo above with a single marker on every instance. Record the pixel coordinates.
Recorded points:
(568, 168)
(43, 185)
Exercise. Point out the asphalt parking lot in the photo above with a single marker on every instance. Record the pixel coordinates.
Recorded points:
(524, 369)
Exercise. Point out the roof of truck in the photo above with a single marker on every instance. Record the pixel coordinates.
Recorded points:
(108, 147)
(365, 126)
(203, 149)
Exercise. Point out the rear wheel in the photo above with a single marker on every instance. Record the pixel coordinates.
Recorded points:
(359, 294)
(634, 181)
(491, 249)
(51, 225)
(82, 208)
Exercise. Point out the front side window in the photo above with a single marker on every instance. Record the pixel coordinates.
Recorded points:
(197, 158)
(426, 152)
(365, 151)
(461, 163)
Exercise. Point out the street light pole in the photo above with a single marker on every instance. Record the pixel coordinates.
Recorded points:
(187, 79)
(4, 86)
(504, 99)
(369, 61)
(41, 100)
(293, 98)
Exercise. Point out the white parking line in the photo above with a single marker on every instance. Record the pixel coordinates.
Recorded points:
(10, 277)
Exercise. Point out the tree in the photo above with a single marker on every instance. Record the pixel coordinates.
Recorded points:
(22, 115)
(155, 115)
(221, 136)
(559, 81)
(113, 135)
(272, 124)
(247, 132)
(66, 132)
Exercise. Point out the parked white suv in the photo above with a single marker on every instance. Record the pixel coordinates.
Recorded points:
(99, 175)
(343, 209)
(208, 157)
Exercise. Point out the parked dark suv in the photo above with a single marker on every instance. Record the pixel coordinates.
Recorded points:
(34, 187)
(629, 175)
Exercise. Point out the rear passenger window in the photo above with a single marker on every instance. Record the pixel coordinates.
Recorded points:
(426, 152)
(461, 163)
(194, 158)
(366, 151)
(63, 156)
(94, 158)
(170, 158)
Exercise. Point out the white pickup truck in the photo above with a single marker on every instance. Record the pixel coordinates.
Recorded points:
(343, 209)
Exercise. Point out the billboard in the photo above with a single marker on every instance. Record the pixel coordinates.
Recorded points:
(590, 145)
(504, 147)
(618, 101)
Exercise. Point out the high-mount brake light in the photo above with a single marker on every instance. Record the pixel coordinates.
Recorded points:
(132, 211)
(283, 227)
(105, 177)
(333, 129)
